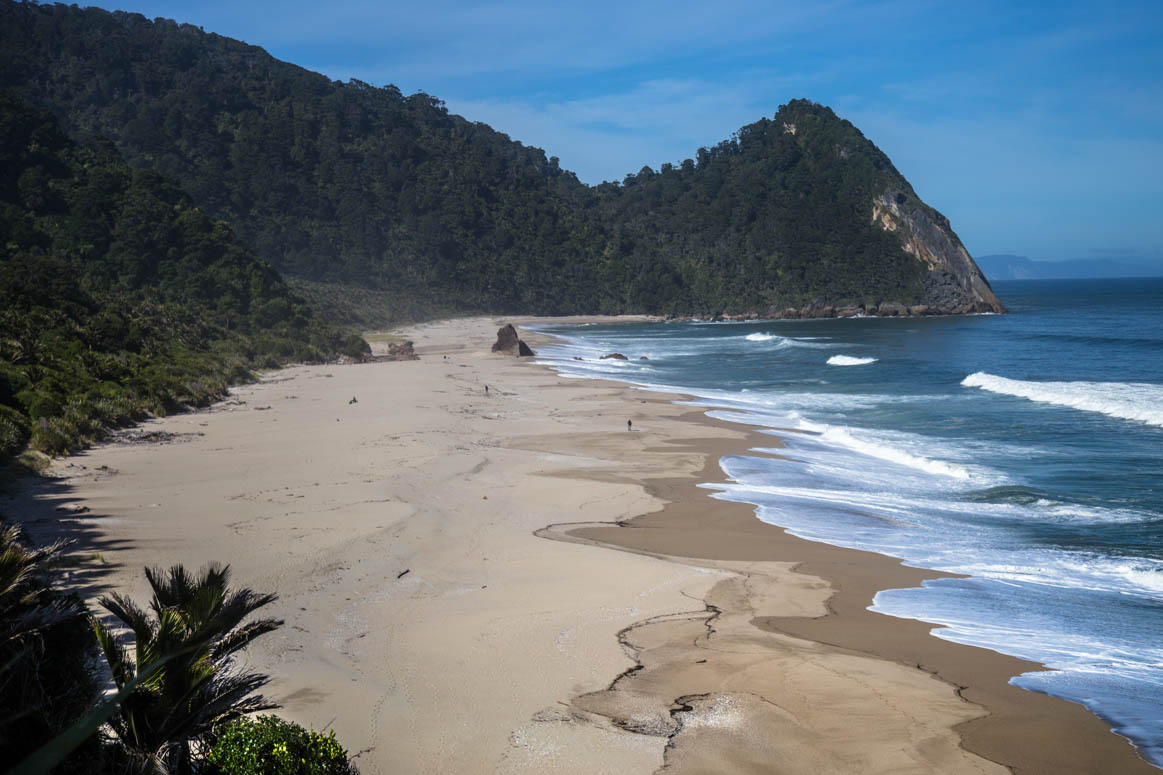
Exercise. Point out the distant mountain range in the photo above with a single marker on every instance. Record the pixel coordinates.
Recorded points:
(1007, 267)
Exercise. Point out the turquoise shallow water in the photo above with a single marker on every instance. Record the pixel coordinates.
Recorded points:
(1023, 450)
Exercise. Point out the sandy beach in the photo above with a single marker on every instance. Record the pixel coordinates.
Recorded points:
(507, 580)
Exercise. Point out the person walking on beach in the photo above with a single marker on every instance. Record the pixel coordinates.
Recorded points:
(629, 425)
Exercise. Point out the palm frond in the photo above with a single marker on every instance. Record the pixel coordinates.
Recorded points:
(18, 563)
(115, 656)
(129, 613)
(241, 637)
(197, 622)
(225, 697)
(30, 621)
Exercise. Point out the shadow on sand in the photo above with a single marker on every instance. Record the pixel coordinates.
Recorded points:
(48, 510)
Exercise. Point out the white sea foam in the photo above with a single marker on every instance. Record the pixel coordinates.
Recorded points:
(810, 342)
(1075, 512)
(928, 496)
(1134, 401)
(1147, 577)
(883, 503)
(849, 360)
(842, 437)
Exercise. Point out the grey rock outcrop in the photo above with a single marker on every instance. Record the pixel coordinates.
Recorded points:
(892, 309)
(509, 343)
(955, 284)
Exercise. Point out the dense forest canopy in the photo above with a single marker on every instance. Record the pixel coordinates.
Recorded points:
(118, 296)
(347, 183)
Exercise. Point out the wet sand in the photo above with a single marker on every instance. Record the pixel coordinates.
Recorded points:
(1025, 731)
(511, 582)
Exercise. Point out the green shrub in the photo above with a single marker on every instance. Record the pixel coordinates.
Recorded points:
(115, 411)
(12, 381)
(356, 347)
(82, 415)
(40, 405)
(269, 745)
(14, 432)
(55, 436)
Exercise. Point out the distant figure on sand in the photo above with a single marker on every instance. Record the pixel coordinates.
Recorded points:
(629, 425)
(353, 401)
(486, 390)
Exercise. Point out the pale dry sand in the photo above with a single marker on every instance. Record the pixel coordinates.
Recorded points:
(457, 597)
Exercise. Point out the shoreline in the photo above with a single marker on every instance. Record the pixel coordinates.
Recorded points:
(1062, 736)
(499, 650)
(980, 676)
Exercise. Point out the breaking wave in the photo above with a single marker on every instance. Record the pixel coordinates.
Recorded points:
(849, 360)
(1134, 401)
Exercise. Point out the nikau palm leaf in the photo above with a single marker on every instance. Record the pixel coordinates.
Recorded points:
(195, 623)
(43, 648)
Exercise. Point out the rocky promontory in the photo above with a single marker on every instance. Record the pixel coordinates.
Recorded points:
(955, 284)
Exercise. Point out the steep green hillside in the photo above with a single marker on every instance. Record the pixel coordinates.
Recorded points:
(328, 181)
(346, 183)
(117, 296)
(779, 214)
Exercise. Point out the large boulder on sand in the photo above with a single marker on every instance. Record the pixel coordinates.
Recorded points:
(509, 343)
(401, 351)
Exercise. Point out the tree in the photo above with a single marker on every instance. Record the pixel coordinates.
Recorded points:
(197, 623)
(45, 646)
(119, 298)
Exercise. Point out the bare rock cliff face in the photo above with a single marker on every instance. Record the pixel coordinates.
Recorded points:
(955, 284)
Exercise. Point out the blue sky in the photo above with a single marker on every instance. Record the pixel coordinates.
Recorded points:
(1037, 127)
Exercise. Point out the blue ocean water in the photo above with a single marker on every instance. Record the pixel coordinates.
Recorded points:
(1023, 450)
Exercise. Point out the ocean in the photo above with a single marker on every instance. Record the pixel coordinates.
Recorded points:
(1023, 450)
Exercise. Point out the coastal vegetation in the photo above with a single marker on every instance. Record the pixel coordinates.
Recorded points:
(119, 298)
(181, 702)
(46, 646)
(184, 656)
(269, 745)
(349, 185)
(179, 209)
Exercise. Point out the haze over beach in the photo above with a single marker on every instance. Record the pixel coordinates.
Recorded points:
(396, 389)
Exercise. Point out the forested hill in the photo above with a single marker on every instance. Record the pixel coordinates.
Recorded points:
(118, 297)
(328, 181)
(352, 184)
